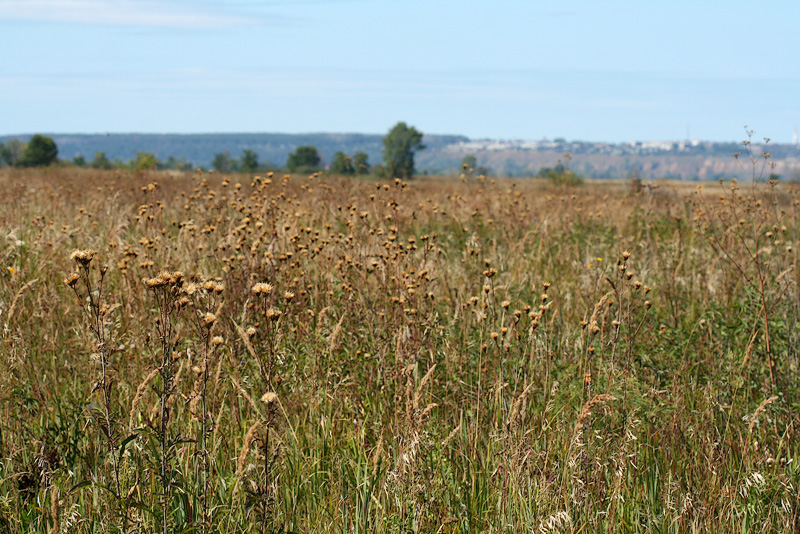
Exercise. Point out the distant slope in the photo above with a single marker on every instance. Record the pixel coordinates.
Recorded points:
(272, 148)
(443, 153)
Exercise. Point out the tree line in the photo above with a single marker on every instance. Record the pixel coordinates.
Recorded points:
(399, 147)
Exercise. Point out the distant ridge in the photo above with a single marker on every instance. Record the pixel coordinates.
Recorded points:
(684, 160)
(272, 148)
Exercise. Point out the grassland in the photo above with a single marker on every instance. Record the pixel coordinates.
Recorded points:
(205, 353)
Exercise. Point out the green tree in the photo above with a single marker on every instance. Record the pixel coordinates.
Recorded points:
(360, 163)
(39, 152)
(560, 175)
(5, 155)
(224, 163)
(342, 164)
(13, 150)
(399, 147)
(79, 161)
(304, 159)
(249, 161)
(181, 164)
(145, 161)
(100, 161)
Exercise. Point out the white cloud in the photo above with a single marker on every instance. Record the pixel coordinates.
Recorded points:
(116, 12)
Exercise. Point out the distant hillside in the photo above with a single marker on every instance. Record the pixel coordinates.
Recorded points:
(686, 160)
(272, 148)
(679, 166)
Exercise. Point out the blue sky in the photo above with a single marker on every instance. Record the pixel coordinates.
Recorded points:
(588, 70)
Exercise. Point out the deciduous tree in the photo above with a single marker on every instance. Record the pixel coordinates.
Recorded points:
(360, 163)
(224, 163)
(303, 159)
(399, 147)
(342, 164)
(100, 161)
(39, 152)
(249, 160)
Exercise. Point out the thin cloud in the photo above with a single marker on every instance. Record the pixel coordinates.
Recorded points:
(116, 13)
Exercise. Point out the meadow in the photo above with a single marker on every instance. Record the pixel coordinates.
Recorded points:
(207, 353)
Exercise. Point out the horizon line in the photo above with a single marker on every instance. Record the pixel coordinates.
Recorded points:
(472, 139)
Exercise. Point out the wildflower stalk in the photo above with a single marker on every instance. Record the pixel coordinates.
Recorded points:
(95, 313)
(165, 288)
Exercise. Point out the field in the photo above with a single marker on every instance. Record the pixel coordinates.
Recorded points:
(204, 353)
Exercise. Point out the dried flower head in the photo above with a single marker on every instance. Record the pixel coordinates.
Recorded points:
(153, 283)
(269, 397)
(262, 288)
(71, 280)
(209, 319)
(217, 340)
(83, 257)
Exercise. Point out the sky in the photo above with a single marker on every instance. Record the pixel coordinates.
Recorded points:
(584, 70)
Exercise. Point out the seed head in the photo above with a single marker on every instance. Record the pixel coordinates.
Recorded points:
(158, 281)
(209, 319)
(71, 280)
(217, 340)
(262, 288)
(83, 257)
(269, 397)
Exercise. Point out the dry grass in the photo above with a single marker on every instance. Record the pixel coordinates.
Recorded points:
(313, 354)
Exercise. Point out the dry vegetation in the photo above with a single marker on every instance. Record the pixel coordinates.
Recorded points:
(202, 353)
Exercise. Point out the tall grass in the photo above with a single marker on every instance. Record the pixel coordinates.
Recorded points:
(312, 354)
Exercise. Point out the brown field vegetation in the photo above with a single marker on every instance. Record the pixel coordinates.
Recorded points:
(205, 353)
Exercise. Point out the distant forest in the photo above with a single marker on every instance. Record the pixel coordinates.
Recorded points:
(199, 149)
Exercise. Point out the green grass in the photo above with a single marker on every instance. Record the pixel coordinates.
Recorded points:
(454, 357)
